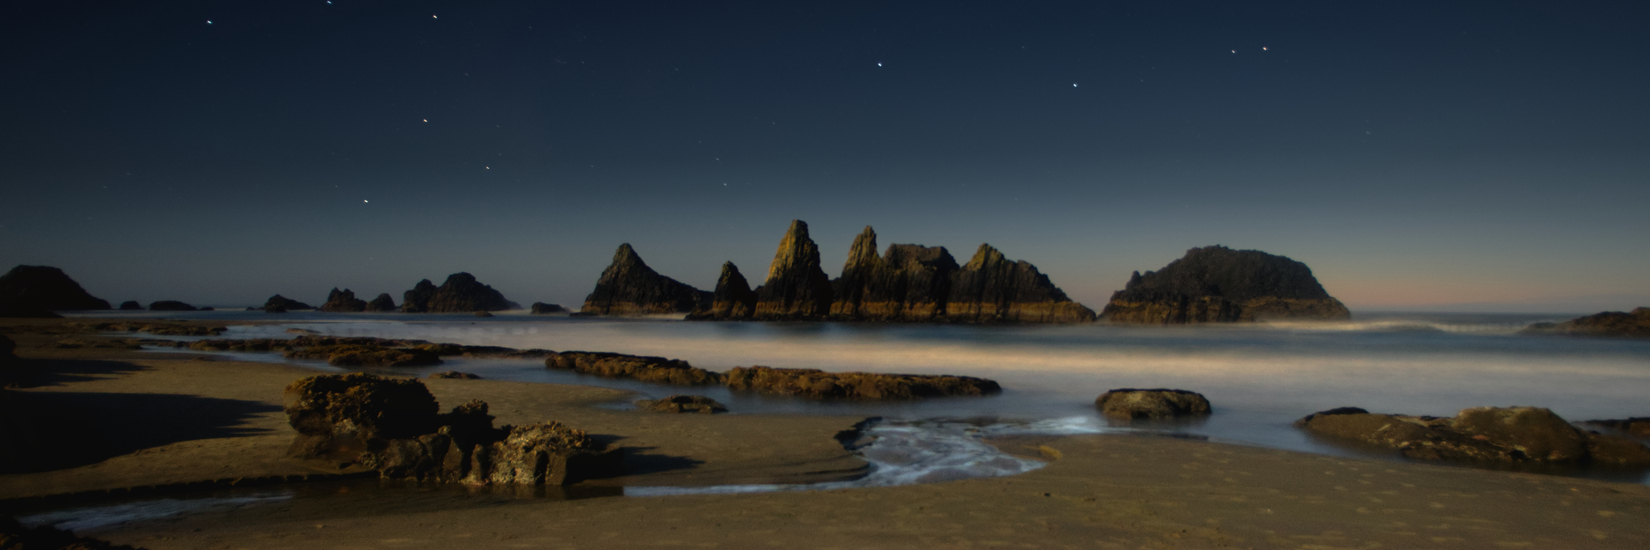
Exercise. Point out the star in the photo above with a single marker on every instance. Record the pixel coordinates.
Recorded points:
(1074, 84)
(879, 64)
(434, 17)
(426, 120)
(1263, 48)
(209, 22)
(363, 200)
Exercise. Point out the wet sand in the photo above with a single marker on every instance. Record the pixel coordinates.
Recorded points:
(170, 419)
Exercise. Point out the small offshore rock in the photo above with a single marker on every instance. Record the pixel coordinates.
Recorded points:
(1155, 404)
(1611, 324)
(383, 303)
(682, 404)
(171, 305)
(131, 305)
(1215, 284)
(343, 301)
(541, 308)
(284, 304)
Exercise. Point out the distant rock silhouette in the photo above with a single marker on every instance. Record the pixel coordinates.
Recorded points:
(629, 287)
(732, 300)
(382, 303)
(36, 290)
(1216, 284)
(1609, 324)
(991, 288)
(131, 305)
(343, 301)
(282, 303)
(541, 308)
(171, 305)
(796, 287)
(461, 293)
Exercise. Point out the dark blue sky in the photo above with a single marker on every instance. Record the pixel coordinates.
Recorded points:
(1414, 154)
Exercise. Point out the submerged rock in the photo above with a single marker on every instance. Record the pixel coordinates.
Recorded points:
(1216, 284)
(629, 287)
(796, 287)
(733, 299)
(29, 290)
(383, 303)
(618, 365)
(343, 301)
(682, 404)
(541, 308)
(1608, 324)
(1154, 404)
(818, 384)
(171, 305)
(461, 293)
(1483, 434)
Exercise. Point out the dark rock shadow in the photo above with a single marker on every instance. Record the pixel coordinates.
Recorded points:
(638, 461)
(57, 372)
(56, 430)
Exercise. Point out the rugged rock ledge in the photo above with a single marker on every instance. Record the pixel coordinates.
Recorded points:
(33, 290)
(1216, 284)
(1609, 324)
(1483, 434)
(644, 368)
(461, 293)
(629, 287)
(682, 404)
(993, 289)
(818, 384)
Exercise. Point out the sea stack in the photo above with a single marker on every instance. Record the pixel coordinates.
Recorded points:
(993, 289)
(343, 301)
(907, 283)
(1215, 284)
(461, 293)
(796, 287)
(733, 299)
(382, 303)
(36, 290)
(629, 287)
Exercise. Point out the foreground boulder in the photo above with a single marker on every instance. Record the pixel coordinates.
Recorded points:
(1216, 284)
(644, 368)
(1155, 404)
(392, 426)
(37, 288)
(818, 384)
(1484, 434)
(343, 301)
(1608, 324)
(171, 305)
(629, 287)
(541, 308)
(682, 404)
(461, 293)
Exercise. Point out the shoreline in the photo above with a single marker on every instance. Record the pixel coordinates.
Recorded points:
(1097, 490)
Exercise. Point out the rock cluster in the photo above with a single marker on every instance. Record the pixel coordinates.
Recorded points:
(1154, 404)
(170, 305)
(908, 283)
(682, 404)
(1483, 434)
(461, 293)
(541, 308)
(394, 426)
(343, 301)
(1216, 284)
(1609, 323)
(36, 290)
(818, 384)
(282, 304)
(629, 287)
(646, 369)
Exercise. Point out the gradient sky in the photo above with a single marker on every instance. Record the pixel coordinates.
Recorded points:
(1417, 155)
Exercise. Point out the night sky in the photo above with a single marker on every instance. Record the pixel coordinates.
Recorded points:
(1417, 155)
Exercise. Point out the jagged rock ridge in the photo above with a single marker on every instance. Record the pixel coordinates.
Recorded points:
(461, 293)
(1216, 284)
(629, 287)
(343, 301)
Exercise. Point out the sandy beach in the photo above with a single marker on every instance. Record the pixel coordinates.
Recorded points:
(118, 418)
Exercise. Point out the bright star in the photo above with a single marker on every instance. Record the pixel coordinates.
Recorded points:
(1263, 48)
(1074, 84)
(426, 120)
(879, 64)
(434, 17)
(209, 22)
(363, 201)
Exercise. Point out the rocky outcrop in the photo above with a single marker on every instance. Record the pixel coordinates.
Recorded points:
(36, 288)
(170, 305)
(1216, 284)
(796, 287)
(1608, 324)
(907, 283)
(392, 426)
(383, 303)
(733, 299)
(366, 355)
(461, 293)
(993, 289)
(131, 305)
(629, 287)
(682, 404)
(818, 384)
(1483, 434)
(646, 369)
(343, 301)
(541, 308)
(1155, 404)
(282, 304)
